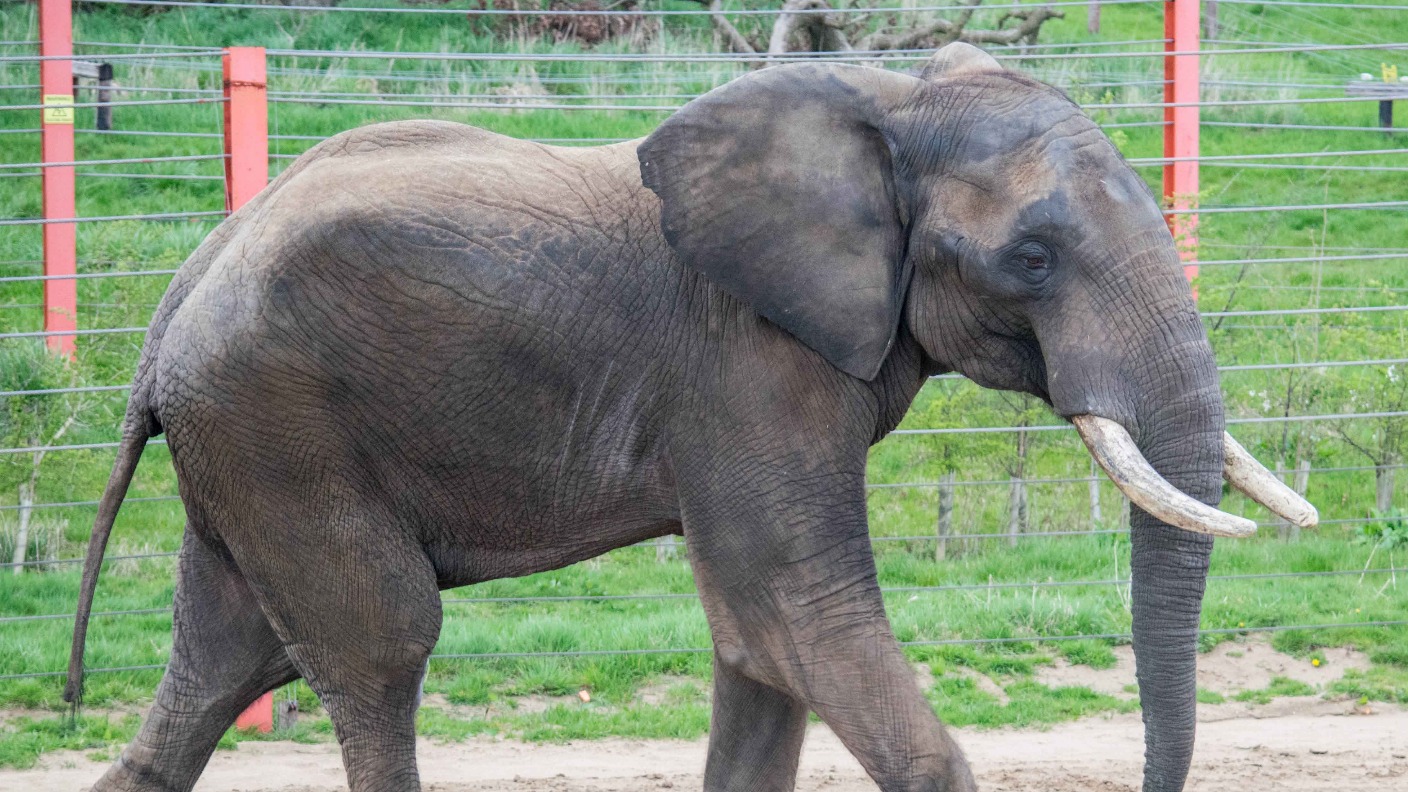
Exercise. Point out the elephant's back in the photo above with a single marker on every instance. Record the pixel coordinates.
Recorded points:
(408, 275)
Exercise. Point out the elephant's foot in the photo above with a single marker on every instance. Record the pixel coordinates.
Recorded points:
(224, 655)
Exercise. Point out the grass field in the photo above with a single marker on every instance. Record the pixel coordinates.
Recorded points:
(481, 693)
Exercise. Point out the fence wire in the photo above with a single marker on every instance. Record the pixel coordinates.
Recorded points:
(1032, 639)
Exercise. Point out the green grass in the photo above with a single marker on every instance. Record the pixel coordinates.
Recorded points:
(1280, 686)
(23, 740)
(480, 695)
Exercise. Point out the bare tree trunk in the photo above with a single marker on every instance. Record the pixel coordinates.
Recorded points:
(1299, 483)
(27, 490)
(1383, 483)
(1124, 511)
(1016, 511)
(1283, 527)
(22, 534)
(1092, 16)
(810, 16)
(945, 515)
(1017, 500)
(1095, 518)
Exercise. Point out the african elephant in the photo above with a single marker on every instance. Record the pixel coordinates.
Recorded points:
(428, 356)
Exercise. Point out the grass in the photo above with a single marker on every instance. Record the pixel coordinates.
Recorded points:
(1280, 686)
(479, 696)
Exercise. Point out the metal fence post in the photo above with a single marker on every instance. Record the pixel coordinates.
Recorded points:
(246, 173)
(56, 145)
(1181, 127)
(246, 125)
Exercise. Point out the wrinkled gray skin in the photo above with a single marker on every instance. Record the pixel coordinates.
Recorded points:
(429, 356)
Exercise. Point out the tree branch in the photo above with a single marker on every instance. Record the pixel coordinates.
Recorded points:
(736, 41)
(948, 31)
(826, 31)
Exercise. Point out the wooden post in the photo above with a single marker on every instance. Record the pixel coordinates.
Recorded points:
(1386, 92)
(1092, 16)
(1181, 77)
(104, 115)
(665, 548)
(246, 173)
(246, 125)
(56, 145)
(101, 75)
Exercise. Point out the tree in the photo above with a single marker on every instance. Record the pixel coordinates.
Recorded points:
(1380, 439)
(32, 421)
(815, 26)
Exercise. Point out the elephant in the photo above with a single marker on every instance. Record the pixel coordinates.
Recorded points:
(428, 356)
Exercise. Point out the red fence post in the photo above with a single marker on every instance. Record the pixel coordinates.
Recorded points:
(246, 125)
(56, 145)
(1181, 127)
(246, 173)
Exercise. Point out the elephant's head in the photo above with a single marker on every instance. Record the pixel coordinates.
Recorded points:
(984, 213)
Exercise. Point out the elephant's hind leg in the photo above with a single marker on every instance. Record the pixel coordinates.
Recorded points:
(358, 606)
(224, 655)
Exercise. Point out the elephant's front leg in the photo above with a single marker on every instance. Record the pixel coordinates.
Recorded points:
(782, 558)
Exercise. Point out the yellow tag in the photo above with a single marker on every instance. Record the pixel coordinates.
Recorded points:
(1390, 72)
(58, 108)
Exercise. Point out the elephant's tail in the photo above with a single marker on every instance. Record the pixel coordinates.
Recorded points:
(129, 452)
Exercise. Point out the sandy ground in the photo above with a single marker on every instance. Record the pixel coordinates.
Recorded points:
(1288, 745)
(1311, 745)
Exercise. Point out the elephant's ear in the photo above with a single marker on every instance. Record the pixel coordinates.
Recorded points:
(779, 188)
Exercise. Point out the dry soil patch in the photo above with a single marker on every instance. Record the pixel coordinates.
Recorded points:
(1230, 668)
(1299, 753)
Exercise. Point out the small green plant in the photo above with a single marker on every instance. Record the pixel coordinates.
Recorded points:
(1387, 532)
(1280, 686)
(1206, 696)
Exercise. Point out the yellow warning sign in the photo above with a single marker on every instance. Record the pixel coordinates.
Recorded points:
(1390, 72)
(58, 108)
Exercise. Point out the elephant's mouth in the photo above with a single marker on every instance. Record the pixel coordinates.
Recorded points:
(1116, 453)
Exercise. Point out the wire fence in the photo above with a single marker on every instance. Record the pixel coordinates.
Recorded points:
(1320, 294)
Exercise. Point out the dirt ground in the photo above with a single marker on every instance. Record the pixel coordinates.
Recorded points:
(1290, 745)
(1298, 744)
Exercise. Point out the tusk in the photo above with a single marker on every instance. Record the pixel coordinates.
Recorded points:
(1242, 471)
(1115, 452)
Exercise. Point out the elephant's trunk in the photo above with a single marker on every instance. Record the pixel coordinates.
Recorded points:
(1141, 385)
(1180, 433)
(1182, 440)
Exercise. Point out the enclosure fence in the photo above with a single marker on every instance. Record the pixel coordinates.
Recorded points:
(238, 96)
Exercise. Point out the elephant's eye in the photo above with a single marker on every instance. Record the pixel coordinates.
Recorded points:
(1034, 259)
